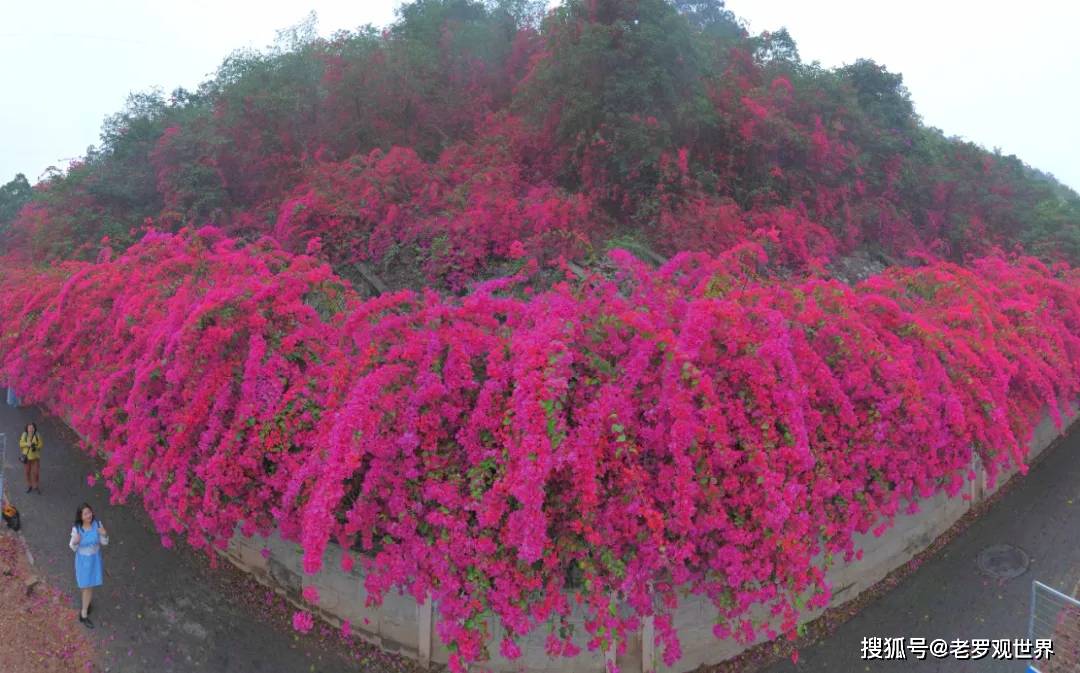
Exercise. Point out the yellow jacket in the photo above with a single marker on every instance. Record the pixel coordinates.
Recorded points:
(30, 448)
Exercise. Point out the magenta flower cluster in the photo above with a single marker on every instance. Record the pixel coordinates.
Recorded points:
(693, 428)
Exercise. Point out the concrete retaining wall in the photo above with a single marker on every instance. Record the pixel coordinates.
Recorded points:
(401, 625)
(909, 535)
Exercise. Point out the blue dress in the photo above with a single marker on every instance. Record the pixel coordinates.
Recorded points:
(88, 557)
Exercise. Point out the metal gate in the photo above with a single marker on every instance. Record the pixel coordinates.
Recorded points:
(1055, 617)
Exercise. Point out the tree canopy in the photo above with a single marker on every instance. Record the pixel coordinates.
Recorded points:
(661, 124)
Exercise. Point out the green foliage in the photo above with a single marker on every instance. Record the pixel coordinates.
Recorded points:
(777, 46)
(622, 83)
(13, 196)
(660, 113)
(711, 17)
(880, 94)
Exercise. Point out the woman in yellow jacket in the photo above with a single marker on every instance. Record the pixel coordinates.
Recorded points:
(30, 443)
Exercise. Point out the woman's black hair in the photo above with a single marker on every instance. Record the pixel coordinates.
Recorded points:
(78, 514)
(28, 425)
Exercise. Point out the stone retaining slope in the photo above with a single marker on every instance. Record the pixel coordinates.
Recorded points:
(400, 625)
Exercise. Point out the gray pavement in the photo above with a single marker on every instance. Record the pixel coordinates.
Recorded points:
(165, 610)
(948, 597)
(159, 610)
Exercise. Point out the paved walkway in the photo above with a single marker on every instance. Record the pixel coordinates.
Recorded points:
(159, 610)
(164, 610)
(949, 598)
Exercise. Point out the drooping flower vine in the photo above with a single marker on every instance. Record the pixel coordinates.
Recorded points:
(697, 427)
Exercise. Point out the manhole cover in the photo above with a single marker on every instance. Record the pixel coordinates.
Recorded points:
(1003, 561)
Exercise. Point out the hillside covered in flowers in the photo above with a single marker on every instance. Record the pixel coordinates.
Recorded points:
(535, 309)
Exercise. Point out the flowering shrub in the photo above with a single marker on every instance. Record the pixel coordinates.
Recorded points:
(697, 427)
(465, 126)
(458, 217)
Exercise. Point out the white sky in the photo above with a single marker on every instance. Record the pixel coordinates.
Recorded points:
(1001, 75)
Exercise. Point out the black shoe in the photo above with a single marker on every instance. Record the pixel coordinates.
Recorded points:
(29, 488)
(86, 622)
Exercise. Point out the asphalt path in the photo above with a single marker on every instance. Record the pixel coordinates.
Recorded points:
(160, 610)
(950, 598)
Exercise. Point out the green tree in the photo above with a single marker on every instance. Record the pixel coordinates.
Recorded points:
(621, 85)
(881, 94)
(13, 196)
(711, 17)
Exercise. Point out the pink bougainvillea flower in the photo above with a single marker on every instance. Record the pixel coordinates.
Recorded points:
(509, 649)
(303, 621)
(702, 425)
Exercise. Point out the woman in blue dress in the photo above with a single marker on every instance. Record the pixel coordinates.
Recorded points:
(87, 536)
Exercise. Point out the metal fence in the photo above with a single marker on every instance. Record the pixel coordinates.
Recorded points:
(1055, 617)
(3, 465)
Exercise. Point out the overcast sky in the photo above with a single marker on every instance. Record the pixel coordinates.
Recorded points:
(1002, 75)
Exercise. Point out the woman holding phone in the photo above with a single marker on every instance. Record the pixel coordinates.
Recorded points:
(88, 535)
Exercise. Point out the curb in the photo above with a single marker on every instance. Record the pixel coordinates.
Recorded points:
(26, 548)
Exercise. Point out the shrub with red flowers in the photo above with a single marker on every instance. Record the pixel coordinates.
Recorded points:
(694, 428)
(465, 126)
(503, 438)
(456, 218)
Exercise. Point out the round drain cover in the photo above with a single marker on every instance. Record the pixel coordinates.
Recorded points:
(1003, 561)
